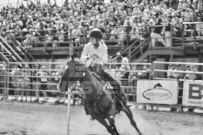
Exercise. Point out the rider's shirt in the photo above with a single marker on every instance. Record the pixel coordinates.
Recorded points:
(101, 51)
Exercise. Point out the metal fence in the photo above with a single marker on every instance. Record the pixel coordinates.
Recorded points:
(40, 79)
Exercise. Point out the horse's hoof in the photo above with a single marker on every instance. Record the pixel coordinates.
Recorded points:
(115, 133)
(35, 101)
(21, 100)
(57, 102)
(15, 100)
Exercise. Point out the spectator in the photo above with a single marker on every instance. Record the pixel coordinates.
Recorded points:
(168, 34)
(199, 27)
(28, 42)
(15, 74)
(170, 71)
(133, 76)
(125, 67)
(38, 16)
(36, 81)
(122, 37)
(156, 34)
(43, 80)
(10, 37)
(178, 74)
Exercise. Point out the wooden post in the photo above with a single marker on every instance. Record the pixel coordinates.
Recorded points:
(68, 111)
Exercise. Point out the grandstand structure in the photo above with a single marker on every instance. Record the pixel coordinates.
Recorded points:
(39, 46)
(137, 50)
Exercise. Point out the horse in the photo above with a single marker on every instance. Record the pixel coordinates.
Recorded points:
(99, 102)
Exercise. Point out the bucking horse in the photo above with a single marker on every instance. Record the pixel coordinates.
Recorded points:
(99, 101)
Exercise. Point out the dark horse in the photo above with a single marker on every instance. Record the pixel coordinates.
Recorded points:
(99, 102)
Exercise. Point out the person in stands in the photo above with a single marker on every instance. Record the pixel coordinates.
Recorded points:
(156, 34)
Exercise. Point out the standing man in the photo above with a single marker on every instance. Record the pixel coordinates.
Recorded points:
(95, 55)
(156, 34)
(43, 80)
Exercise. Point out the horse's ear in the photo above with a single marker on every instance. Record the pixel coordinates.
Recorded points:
(72, 57)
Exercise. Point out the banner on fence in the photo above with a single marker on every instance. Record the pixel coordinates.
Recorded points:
(157, 91)
(193, 93)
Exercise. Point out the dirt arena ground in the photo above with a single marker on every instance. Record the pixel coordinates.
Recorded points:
(50, 119)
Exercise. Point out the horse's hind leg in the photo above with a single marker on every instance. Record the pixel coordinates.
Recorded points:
(130, 116)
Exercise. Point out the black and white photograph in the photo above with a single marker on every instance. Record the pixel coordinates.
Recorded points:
(101, 67)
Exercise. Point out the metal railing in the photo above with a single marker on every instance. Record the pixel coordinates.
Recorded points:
(28, 83)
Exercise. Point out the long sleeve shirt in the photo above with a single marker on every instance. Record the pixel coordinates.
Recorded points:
(101, 51)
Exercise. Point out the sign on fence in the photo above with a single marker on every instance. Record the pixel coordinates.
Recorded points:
(193, 93)
(157, 91)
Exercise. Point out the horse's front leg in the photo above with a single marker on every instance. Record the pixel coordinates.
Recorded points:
(112, 125)
(130, 116)
(100, 120)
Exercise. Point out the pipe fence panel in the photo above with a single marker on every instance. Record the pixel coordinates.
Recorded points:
(189, 78)
(40, 79)
(33, 80)
(2, 79)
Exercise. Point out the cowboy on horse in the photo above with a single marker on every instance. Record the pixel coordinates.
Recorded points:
(94, 55)
(101, 100)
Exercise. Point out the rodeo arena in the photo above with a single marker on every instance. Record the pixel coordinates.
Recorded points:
(101, 67)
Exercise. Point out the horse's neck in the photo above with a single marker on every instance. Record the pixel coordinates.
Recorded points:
(91, 86)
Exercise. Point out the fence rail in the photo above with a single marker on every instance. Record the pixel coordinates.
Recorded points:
(24, 82)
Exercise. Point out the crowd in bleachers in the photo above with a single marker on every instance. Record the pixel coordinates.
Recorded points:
(120, 19)
(177, 72)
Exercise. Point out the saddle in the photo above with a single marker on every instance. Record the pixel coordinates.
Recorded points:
(107, 85)
(96, 70)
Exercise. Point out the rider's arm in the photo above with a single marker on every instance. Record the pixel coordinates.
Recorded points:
(84, 55)
(104, 54)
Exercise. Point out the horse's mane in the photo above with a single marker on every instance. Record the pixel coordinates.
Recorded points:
(92, 73)
(77, 60)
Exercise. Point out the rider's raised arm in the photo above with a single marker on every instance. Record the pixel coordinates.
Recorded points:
(84, 55)
(104, 54)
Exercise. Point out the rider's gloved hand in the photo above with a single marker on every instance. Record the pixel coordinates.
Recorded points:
(93, 56)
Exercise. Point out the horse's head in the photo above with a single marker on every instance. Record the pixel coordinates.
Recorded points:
(75, 70)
